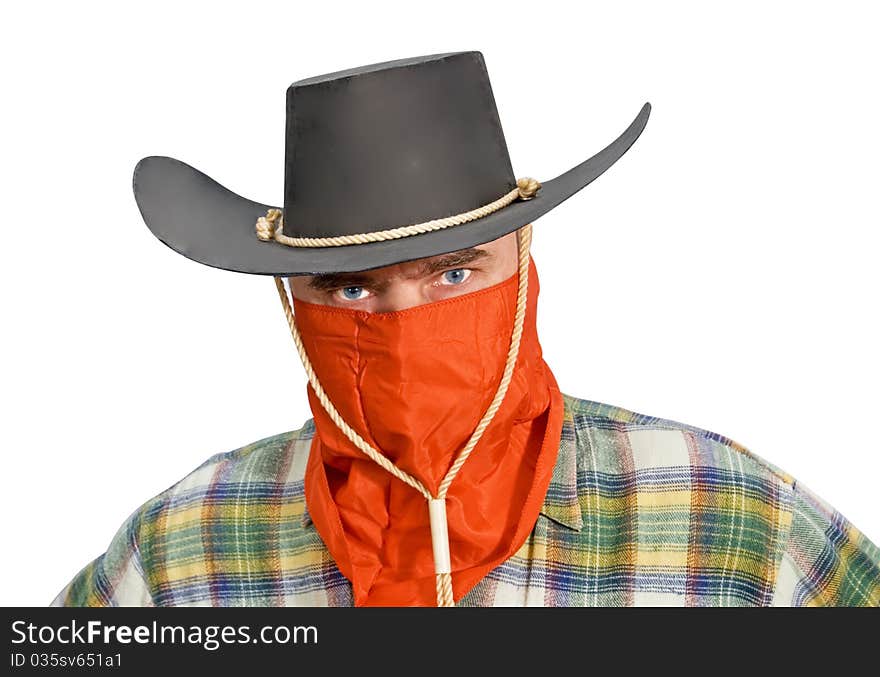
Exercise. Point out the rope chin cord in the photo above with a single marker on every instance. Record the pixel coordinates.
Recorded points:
(270, 226)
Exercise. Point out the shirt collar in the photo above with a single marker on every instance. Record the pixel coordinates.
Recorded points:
(561, 503)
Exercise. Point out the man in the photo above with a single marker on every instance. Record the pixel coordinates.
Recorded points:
(442, 465)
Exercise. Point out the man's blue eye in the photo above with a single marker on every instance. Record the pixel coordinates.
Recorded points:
(352, 293)
(456, 276)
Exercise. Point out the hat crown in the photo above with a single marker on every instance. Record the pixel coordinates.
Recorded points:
(391, 144)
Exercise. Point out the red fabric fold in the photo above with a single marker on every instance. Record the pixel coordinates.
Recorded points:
(414, 384)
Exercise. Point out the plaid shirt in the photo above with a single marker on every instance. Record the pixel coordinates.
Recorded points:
(640, 511)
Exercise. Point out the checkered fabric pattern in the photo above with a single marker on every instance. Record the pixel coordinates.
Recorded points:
(640, 511)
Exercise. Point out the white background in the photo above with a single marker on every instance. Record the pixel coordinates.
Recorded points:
(723, 273)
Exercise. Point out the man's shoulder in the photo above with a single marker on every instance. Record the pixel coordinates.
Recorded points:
(264, 460)
(237, 510)
(270, 469)
(694, 513)
(619, 440)
(703, 505)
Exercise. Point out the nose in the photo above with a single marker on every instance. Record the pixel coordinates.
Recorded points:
(400, 295)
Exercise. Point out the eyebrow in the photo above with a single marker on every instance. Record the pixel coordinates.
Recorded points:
(329, 281)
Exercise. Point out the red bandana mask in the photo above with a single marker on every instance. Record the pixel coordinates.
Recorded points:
(414, 384)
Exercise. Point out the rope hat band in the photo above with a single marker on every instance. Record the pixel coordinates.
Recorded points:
(436, 504)
(269, 228)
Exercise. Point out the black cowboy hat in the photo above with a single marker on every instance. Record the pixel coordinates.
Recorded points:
(367, 149)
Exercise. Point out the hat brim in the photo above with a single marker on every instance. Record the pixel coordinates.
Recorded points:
(206, 222)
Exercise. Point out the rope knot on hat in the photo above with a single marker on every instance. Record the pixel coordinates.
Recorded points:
(266, 225)
(270, 227)
(527, 187)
